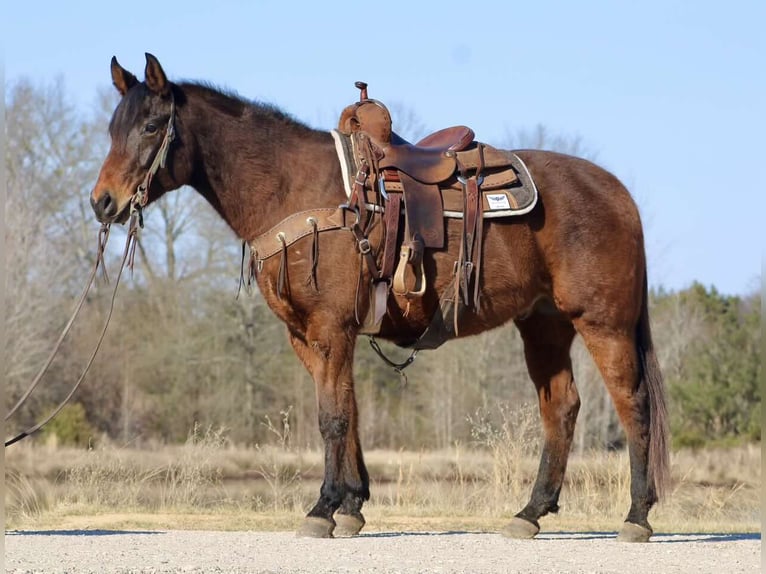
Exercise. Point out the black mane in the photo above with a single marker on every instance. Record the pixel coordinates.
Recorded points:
(224, 101)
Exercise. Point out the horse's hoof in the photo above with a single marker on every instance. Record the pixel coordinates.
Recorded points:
(520, 528)
(348, 524)
(631, 532)
(316, 527)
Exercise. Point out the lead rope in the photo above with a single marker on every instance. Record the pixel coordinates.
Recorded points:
(129, 248)
(137, 202)
(103, 236)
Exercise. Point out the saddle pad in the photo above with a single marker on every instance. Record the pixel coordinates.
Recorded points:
(518, 198)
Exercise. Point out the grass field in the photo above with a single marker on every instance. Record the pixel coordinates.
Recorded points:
(211, 484)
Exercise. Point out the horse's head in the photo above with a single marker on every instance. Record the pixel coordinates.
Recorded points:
(143, 159)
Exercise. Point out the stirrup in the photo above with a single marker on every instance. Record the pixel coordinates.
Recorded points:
(406, 256)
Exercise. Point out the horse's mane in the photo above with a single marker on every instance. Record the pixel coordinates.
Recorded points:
(224, 101)
(231, 103)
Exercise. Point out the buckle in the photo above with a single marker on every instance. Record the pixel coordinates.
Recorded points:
(364, 246)
(344, 207)
(382, 186)
(464, 180)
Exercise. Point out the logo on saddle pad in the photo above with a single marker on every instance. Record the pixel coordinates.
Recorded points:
(498, 201)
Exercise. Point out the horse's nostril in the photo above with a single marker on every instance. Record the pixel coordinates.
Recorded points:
(105, 206)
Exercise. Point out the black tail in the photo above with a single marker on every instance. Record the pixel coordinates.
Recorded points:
(651, 376)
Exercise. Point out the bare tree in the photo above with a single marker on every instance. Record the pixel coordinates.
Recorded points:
(50, 161)
(540, 137)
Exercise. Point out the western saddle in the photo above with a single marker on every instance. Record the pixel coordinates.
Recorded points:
(420, 176)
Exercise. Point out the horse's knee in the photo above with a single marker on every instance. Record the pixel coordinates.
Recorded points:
(571, 402)
(559, 403)
(333, 427)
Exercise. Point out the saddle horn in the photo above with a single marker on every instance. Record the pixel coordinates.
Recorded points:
(363, 87)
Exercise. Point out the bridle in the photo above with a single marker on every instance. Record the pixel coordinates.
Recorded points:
(139, 199)
(137, 202)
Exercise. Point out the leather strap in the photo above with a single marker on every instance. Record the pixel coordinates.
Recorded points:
(425, 214)
(470, 217)
(382, 279)
(477, 267)
(365, 248)
(294, 227)
(391, 222)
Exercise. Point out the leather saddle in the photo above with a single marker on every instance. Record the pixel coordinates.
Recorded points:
(417, 175)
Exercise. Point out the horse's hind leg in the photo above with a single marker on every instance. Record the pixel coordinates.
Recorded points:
(327, 353)
(615, 354)
(547, 339)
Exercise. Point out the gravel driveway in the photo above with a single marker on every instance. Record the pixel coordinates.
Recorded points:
(212, 552)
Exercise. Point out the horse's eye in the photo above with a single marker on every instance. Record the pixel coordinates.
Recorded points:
(150, 128)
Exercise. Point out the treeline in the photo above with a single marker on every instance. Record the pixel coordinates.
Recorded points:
(183, 349)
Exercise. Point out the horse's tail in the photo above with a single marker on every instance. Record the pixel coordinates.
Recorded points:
(651, 377)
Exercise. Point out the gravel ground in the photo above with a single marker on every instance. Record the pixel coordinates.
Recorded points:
(213, 552)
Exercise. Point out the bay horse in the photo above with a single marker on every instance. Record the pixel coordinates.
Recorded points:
(574, 264)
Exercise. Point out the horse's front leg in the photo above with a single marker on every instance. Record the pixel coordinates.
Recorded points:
(328, 353)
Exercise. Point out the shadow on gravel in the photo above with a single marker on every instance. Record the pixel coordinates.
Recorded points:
(547, 536)
(708, 537)
(553, 537)
(657, 538)
(400, 534)
(78, 532)
(561, 535)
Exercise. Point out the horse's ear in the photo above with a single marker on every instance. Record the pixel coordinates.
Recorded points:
(121, 78)
(156, 80)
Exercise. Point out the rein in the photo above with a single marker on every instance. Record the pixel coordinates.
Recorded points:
(137, 202)
(103, 236)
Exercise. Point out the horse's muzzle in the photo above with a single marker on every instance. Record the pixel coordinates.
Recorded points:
(105, 208)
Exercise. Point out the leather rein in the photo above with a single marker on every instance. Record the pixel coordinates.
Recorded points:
(137, 202)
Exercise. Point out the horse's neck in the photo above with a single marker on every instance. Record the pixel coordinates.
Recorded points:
(256, 170)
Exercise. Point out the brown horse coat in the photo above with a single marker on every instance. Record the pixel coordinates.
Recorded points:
(574, 264)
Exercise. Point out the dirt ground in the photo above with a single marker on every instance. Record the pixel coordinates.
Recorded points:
(157, 551)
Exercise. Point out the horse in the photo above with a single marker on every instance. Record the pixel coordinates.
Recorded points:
(575, 264)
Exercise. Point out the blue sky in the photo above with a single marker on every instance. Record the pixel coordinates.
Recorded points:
(669, 95)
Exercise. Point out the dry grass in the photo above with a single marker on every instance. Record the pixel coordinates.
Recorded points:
(210, 483)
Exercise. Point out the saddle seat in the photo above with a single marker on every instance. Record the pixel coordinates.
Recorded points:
(456, 138)
(430, 160)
